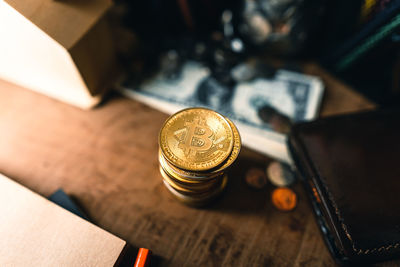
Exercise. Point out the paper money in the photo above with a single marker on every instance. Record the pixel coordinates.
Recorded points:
(292, 95)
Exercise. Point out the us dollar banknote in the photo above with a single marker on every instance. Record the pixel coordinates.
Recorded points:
(258, 107)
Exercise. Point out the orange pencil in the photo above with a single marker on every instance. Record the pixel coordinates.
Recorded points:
(143, 257)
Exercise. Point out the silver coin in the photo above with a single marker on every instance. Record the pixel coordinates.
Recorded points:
(280, 174)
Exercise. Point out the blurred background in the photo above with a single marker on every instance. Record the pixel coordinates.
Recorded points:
(356, 40)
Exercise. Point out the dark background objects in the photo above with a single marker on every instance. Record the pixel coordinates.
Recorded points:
(364, 52)
(338, 23)
(63, 200)
(279, 27)
(222, 34)
(377, 74)
(284, 28)
(157, 19)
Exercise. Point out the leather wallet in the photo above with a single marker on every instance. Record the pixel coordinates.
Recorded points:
(350, 167)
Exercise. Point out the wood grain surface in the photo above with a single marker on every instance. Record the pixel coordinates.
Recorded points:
(107, 159)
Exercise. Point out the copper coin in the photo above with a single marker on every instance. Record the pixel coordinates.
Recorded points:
(256, 178)
(284, 199)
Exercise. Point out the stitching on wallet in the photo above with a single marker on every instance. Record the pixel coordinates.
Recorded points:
(342, 223)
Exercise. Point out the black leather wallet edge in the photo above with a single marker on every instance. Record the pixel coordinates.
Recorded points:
(329, 219)
(314, 194)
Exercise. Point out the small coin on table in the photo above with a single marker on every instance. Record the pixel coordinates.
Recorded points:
(256, 178)
(284, 199)
(280, 174)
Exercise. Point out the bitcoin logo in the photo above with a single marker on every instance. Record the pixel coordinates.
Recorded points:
(196, 137)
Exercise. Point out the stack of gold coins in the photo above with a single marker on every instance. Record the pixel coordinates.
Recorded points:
(197, 146)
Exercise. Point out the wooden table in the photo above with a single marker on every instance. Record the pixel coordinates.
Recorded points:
(107, 159)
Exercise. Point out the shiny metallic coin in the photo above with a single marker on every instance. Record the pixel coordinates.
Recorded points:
(189, 188)
(196, 147)
(256, 178)
(171, 183)
(185, 176)
(237, 146)
(280, 174)
(196, 139)
(284, 199)
(197, 200)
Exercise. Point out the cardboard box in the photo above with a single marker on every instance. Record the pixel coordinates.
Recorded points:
(59, 48)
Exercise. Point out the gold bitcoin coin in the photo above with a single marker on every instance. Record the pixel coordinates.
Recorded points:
(197, 176)
(188, 188)
(190, 183)
(237, 145)
(198, 200)
(196, 139)
(174, 185)
(185, 176)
